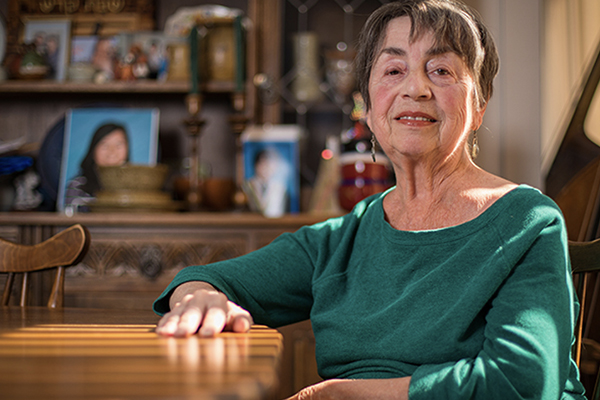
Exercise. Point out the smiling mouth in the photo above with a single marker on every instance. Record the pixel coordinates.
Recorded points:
(423, 119)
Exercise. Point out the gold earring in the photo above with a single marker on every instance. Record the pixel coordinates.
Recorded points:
(373, 143)
(475, 146)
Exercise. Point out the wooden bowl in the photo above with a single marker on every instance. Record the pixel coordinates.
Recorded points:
(217, 193)
(133, 177)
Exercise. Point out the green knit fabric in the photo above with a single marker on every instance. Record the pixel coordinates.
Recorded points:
(482, 310)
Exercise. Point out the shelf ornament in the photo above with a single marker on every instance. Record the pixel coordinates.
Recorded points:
(194, 72)
(193, 124)
(217, 41)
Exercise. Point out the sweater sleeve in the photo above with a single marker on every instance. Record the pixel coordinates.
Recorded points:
(528, 334)
(273, 283)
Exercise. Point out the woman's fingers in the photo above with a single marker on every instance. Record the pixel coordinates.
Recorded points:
(239, 320)
(241, 323)
(169, 323)
(206, 312)
(189, 321)
(214, 322)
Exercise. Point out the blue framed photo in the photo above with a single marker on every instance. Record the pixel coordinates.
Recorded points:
(272, 169)
(82, 49)
(102, 136)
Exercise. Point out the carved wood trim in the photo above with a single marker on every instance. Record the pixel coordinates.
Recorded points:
(151, 259)
(111, 16)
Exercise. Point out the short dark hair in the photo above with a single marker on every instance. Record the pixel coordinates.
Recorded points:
(454, 25)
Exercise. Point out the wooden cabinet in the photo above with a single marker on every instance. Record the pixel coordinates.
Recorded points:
(134, 256)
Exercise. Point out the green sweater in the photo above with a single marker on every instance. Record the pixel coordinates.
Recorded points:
(482, 310)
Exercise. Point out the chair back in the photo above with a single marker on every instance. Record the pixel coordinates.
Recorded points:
(62, 250)
(585, 260)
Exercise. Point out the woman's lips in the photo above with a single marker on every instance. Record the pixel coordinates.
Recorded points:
(416, 119)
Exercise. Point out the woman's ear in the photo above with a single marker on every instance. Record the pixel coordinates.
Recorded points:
(368, 119)
(478, 118)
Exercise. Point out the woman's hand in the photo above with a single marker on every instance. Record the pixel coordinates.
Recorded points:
(199, 307)
(345, 389)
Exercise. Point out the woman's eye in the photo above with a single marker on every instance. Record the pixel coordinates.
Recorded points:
(441, 71)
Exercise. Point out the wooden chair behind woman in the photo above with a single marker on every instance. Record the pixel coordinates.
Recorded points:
(62, 250)
(585, 261)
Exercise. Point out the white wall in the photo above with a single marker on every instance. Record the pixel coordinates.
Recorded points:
(545, 47)
(510, 137)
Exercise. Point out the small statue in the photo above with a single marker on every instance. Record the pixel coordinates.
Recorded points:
(27, 198)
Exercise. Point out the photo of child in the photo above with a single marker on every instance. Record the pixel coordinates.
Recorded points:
(109, 147)
(96, 137)
(271, 169)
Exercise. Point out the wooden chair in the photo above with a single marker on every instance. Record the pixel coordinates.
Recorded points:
(585, 260)
(64, 249)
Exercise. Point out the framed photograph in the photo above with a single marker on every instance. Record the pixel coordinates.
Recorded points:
(95, 53)
(272, 169)
(104, 53)
(103, 136)
(82, 49)
(52, 39)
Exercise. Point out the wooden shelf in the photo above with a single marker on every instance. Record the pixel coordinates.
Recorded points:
(141, 86)
(197, 219)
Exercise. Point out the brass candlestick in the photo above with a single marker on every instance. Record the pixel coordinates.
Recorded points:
(193, 125)
(238, 123)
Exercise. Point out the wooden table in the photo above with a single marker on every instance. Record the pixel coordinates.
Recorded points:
(104, 354)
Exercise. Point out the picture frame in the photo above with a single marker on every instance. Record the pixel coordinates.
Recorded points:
(82, 49)
(272, 169)
(52, 39)
(83, 124)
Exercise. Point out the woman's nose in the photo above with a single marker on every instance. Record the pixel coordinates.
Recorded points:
(416, 86)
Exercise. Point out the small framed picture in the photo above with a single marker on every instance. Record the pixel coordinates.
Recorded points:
(102, 137)
(52, 39)
(83, 48)
(272, 169)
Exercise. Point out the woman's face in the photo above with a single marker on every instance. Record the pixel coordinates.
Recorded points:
(112, 149)
(422, 97)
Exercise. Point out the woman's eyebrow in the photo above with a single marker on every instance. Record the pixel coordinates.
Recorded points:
(434, 51)
(437, 51)
(394, 51)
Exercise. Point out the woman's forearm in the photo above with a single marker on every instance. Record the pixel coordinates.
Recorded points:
(356, 389)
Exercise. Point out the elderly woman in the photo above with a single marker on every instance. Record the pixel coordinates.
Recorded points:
(454, 284)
